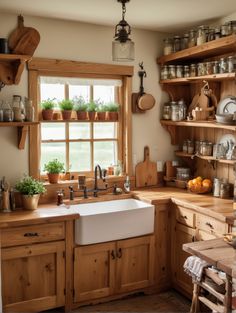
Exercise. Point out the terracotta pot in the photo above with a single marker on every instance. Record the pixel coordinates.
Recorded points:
(91, 116)
(101, 116)
(47, 114)
(30, 202)
(53, 178)
(66, 114)
(112, 116)
(82, 115)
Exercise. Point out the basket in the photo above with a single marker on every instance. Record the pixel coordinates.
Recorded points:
(199, 189)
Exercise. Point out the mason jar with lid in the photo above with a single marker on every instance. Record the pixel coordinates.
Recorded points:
(223, 66)
(192, 38)
(215, 67)
(185, 146)
(174, 111)
(211, 34)
(172, 71)
(196, 146)
(231, 60)
(193, 70)
(177, 44)
(224, 30)
(168, 46)
(201, 35)
(184, 41)
(201, 69)
(209, 68)
(182, 110)
(166, 111)
(190, 147)
(217, 32)
(179, 71)
(183, 173)
(164, 72)
(233, 27)
(186, 71)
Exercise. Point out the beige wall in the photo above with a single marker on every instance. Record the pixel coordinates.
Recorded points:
(92, 43)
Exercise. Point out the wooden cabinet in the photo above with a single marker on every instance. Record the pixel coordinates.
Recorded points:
(110, 268)
(33, 274)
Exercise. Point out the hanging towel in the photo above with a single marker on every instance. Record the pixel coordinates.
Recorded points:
(194, 266)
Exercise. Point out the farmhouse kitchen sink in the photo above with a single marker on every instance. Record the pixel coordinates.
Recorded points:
(113, 220)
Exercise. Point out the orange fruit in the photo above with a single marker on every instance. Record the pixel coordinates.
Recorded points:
(199, 178)
(194, 181)
(207, 183)
(190, 183)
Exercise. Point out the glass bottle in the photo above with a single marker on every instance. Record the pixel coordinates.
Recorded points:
(215, 67)
(223, 66)
(168, 46)
(231, 64)
(29, 111)
(127, 184)
(182, 110)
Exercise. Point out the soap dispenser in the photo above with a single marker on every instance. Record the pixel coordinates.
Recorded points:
(127, 184)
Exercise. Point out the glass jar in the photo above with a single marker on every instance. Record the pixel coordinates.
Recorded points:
(190, 147)
(203, 148)
(192, 38)
(209, 68)
(186, 71)
(233, 27)
(182, 110)
(231, 63)
(8, 115)
(211, 34)
(223, 66)
(177, 44)
(224, 30)
(164, 72)
(217, 32)
(224, 190)
(201, 35)
(172, 71)
(179, 71)
(183, 173)
(166, 111)
(216, 187)
(197, 146)
(174, 111)
(215, 67)
(193, 70)
(184, 41)
(29, 111)
(168, 46)
(200, 69)
(185, 146)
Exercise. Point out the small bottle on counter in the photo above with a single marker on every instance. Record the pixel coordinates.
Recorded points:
(127, 184)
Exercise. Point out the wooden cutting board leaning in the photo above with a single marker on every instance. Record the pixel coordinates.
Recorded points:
(146, 171)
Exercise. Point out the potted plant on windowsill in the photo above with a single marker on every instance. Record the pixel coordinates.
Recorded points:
(30, 190)
(91, 109)
(47, 109)
(53, 169)
(66, 107)
(101, 112)
(81, 108)
(113, 109)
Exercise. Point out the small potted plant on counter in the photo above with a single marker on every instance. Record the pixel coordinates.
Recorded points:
(47, 109)
(101, 112)
(53, 169)
(66, 107)
(80, 108)
(30, 190)
(113, 109)
(91, 109)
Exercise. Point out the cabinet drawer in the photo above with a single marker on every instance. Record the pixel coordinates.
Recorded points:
(32, 234)
(202, 235)
(211, 225)
(185, 217)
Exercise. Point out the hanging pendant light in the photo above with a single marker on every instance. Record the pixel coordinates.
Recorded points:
(122, 46)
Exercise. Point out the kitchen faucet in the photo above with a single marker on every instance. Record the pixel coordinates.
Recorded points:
(95, 188)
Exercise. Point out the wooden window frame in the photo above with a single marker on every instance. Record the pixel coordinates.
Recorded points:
(52, 67)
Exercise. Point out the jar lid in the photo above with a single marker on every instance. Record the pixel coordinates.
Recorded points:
(176, 37)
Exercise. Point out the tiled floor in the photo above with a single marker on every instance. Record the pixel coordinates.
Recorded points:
(170, 302)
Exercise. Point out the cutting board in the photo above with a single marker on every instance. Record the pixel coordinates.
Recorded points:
(146, 171)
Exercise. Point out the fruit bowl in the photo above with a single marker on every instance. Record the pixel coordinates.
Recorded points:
(199, 185)
(199, 189)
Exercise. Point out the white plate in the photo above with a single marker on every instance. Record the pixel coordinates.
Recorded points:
(227, 139)
(227, 105)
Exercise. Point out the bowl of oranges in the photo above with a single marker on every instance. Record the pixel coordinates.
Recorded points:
(199, 185)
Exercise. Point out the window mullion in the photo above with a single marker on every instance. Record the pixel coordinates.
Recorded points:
(67, 148)
(92, 144)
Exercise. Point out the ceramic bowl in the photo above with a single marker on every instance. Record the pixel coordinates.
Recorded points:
(225, 118)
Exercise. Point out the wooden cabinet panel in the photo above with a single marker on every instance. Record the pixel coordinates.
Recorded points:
(203, 235)
(135, 263)
(185, 216)
(211, 225)
(32, 234)
(94, 270)
(33, 277)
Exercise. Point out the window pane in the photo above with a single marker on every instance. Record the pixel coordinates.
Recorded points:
(50, 151)
(79, 130)
(104, 94)
(105, 153)
(105, 130)
(51, 91)
(52, 131)
(79, 91)
(80, 156)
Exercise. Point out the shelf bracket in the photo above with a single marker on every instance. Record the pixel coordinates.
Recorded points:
(173, 133)
(22, 134)
(213, 163)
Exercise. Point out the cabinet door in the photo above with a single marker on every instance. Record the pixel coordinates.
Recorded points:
(182, 234)
(94, 271)
(135, 263)
(162, 245)
(33, 277)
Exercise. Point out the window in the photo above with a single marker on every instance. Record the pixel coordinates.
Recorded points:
(79, 145)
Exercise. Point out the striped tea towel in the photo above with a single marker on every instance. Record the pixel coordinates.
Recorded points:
(194, 266)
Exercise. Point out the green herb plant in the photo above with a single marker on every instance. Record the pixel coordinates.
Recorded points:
(66, 105)
(48, 104)
(112, 107)
(54, 167)
(30, 186)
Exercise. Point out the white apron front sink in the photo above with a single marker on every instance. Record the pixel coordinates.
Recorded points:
(113, 220)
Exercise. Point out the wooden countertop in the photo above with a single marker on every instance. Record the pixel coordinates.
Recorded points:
(216, 252)
(221, 209)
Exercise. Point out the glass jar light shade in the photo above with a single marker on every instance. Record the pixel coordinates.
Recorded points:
(123, 51)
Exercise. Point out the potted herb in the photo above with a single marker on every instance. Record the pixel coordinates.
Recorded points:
(30, 190)
(47, 109)
(66, 107)
(91, 109)
(81, 108)
(101, 112)
(53, 169)
(112, 114)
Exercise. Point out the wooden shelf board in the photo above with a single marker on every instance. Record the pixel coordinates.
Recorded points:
(17, 124)
(214, 77)
(209, 49)
(76, 121)
(205, 124)
(12, 57)
(208, 158)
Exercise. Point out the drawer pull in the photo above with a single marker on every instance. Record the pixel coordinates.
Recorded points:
(184, 217)
(31, 235)
(210, 225)
(113, 255)
(119, 253)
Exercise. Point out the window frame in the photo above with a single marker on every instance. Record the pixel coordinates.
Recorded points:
(51, 67)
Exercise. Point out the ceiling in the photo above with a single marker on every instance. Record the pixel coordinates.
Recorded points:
(158, 15)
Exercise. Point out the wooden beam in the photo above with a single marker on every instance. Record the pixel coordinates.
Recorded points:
(22, 134)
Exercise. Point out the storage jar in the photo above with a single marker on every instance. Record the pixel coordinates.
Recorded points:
(190, 147)
(183, 173)
(179, 71)
(166, 111)
(215, 67)
(201, 35)
(174, 111)
(185, 146)
(231, 64)
(182, 110)
(172, 71)
(209, 68)
(216, 187)
(168, 46)
(184, 41)
(193, 70)
(186, 71)
(177, 44)
(223, 66)
(192, 38)
(164, 72)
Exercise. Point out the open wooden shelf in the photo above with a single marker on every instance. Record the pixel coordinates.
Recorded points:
(76, 121)
(207, 158)
(213, 77)
(209, 49)
(22, 128)
(11, 67)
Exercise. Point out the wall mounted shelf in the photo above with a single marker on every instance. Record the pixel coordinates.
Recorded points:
(22, 128)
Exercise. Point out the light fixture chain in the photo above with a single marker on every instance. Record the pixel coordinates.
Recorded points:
(123, 10)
